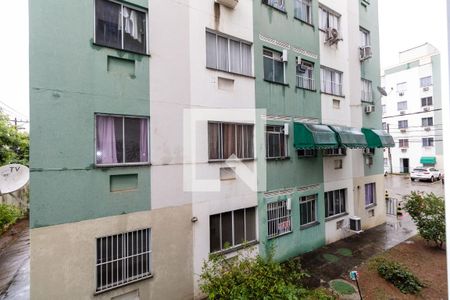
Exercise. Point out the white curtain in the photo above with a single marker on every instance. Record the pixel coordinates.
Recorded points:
(235, 56)
(246, 59)
(222, 44)
(211, 50)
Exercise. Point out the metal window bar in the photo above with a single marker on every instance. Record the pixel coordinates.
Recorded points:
(305, 82)
(127, 256)
(278, 218)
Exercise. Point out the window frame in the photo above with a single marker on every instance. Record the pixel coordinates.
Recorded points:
(367, 37)
(428, 142)
(282, 205)
(402, 87)
(229, 39)
(428, 101)
(333, 73)
(374, 195)
(124, 259)
(366, 90)
(331, 152)
(342, 201)
(129, 6)
(403, 143)
(429, 124)
(309, 14)
(401, 104)
(311, 85)
(426, 77)
(307, 153)
(304, 200)
(283, 10)
(285, 141)
(403, 124)
(122, 164)
(329, 12)
(273, 65)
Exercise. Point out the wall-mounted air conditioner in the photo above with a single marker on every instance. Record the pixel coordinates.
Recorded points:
(365, 53)
(402, 112)
(427, 128)
(332, 36)
(425, 89)
(228, 3)
(404, 150)
(403, 130)
(369, 108)
(355, 224)
(401, 94)
(426, 108)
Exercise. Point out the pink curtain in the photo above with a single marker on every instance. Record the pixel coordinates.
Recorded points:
(106, 140)
(143, 141)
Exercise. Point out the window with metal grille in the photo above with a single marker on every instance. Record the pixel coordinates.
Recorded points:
(308, 213)
(370, 193)
(426, 81)
(228, 54)
(403, 143)
(427, 121)
(227, 139)
(427, 101)
(402, 124)
(335, 152)
(305, 75)
(402, 105)
(427, 142)
(303, 10)
(335, 202)
(306, 153)
(278, 219)
(231, 229)
(123, 258)
(120, 26)
(330, 81)
(276, 142)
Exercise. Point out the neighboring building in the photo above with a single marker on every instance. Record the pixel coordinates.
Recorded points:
(137, 108)
(412, 110)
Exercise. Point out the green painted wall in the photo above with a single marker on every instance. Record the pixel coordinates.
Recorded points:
(69, 82)
(437, 99)
(370, 70)
(293, 102)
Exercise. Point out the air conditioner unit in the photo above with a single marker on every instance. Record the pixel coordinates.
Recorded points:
(355, 224)
(332, 36)
(426, 108)
(401, 94)
(404, 150)
(228, 3)
(403, 130)
(369, 108)
(284, 57)
(426, 88)
(365, 53)
(427, 128)
(402, 112)
(286, 128)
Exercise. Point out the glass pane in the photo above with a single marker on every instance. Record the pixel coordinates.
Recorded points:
(107, 24)
(239, 223)
(248, 140)
(235, 57)
(240, 145)
(135, 35)
(213, 140)
(109, 140)
(222, 53)
(229, 140)
(227, 230)
(303, 214)
(268, 69)
(133, 140)
(250, 223)
(246, 59)
(211, 50)
(279, 71)
(214, 233)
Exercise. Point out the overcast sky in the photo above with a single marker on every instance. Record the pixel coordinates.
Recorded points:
(403, 24)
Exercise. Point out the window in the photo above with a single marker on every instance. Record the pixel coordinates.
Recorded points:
(308, 213)
(364, 37)
(338, 164)
(383, 107)
(226, 139)
(427, 101)
(123, 258)
(303, 10)
(384, 125)
(276, 142)
(426, 81)
(335, 202)
(336, 103)
(278, 4)
(331, 81)
(278, 219)
(427, 121)
(366, 90)
(328, 19)
(403, 143)
(385, 161)
(305, 75)
(370, 194)
(273, 66)
(427, 142)
(334, 152)
(402, 105)
(402, 124)
(401, 87)
(228, 54)
(232, 229)
(121, 140)
(120, 26)
(306, 153)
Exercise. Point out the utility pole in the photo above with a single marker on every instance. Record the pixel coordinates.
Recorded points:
(15, 123)
(389, 152)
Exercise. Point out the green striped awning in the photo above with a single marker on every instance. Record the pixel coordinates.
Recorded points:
(428, 160)
(314, 136)
(378, 138)
(350, 137)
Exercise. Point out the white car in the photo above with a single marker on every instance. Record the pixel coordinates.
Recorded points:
(425, 173)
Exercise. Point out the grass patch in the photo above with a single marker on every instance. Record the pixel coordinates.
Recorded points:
(345, 252)
(9, 214)
(342, 287)
(331, 258)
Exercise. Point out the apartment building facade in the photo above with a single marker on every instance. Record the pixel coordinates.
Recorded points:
(412, 110)
(164, 132)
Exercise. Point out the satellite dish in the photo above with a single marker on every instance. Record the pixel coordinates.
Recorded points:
(382, 91)
(13, 177)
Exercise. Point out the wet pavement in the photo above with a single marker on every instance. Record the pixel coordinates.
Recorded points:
(15, 263)
(336, 260)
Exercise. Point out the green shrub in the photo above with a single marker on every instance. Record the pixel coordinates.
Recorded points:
(252, 277)
(8, 215)
(400, 276)
(428, 213)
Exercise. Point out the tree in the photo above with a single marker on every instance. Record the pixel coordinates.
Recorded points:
(428, 213)
(14, 145)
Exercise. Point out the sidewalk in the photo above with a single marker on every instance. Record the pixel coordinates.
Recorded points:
(336, 260)
(15, 262)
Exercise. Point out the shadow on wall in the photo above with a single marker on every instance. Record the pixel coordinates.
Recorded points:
(19, 198)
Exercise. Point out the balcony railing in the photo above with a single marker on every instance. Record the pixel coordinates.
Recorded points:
(306, 83)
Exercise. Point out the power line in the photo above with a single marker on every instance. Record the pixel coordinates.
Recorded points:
(13, 109)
